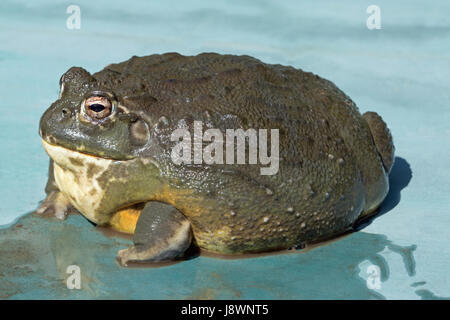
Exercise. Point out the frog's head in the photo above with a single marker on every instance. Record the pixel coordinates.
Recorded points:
(92, 119)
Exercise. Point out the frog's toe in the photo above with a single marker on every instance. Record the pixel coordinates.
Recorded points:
(125, 255)
(56, 204)
(162, 233)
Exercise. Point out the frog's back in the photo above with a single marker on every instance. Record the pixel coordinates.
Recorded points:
(329, 171)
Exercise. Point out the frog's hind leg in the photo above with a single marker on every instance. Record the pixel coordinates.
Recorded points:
(382, 139)
(162, 233)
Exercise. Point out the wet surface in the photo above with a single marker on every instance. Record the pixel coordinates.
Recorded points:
(399, 71)
(36, 255)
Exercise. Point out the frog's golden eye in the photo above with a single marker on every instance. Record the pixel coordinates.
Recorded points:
(97, 107)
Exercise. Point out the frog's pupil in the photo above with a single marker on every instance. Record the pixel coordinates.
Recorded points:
(96, 107)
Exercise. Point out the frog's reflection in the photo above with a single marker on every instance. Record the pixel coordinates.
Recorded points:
(327, 272)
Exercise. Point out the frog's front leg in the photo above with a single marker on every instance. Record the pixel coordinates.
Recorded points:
(55, 204)
(162, 233)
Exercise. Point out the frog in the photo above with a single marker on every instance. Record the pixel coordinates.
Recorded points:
(108, 137)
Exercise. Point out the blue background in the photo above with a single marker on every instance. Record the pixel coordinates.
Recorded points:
(400, 71)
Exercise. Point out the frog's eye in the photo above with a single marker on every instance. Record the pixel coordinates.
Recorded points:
(97, 107)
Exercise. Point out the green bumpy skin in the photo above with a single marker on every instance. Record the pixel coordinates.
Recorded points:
(333, 161)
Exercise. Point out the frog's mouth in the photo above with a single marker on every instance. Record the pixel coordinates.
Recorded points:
(73, 160)
(103, 145)
(68, 158)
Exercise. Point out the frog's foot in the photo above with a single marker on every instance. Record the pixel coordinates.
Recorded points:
(162, 233)
(56, 204)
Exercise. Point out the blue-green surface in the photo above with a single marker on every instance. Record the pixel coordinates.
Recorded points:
(402, 71)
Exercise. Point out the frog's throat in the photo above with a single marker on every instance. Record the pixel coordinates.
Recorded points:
(79, 177)
(76, 176)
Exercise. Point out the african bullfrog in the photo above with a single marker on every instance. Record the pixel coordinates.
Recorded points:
(109, 138)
